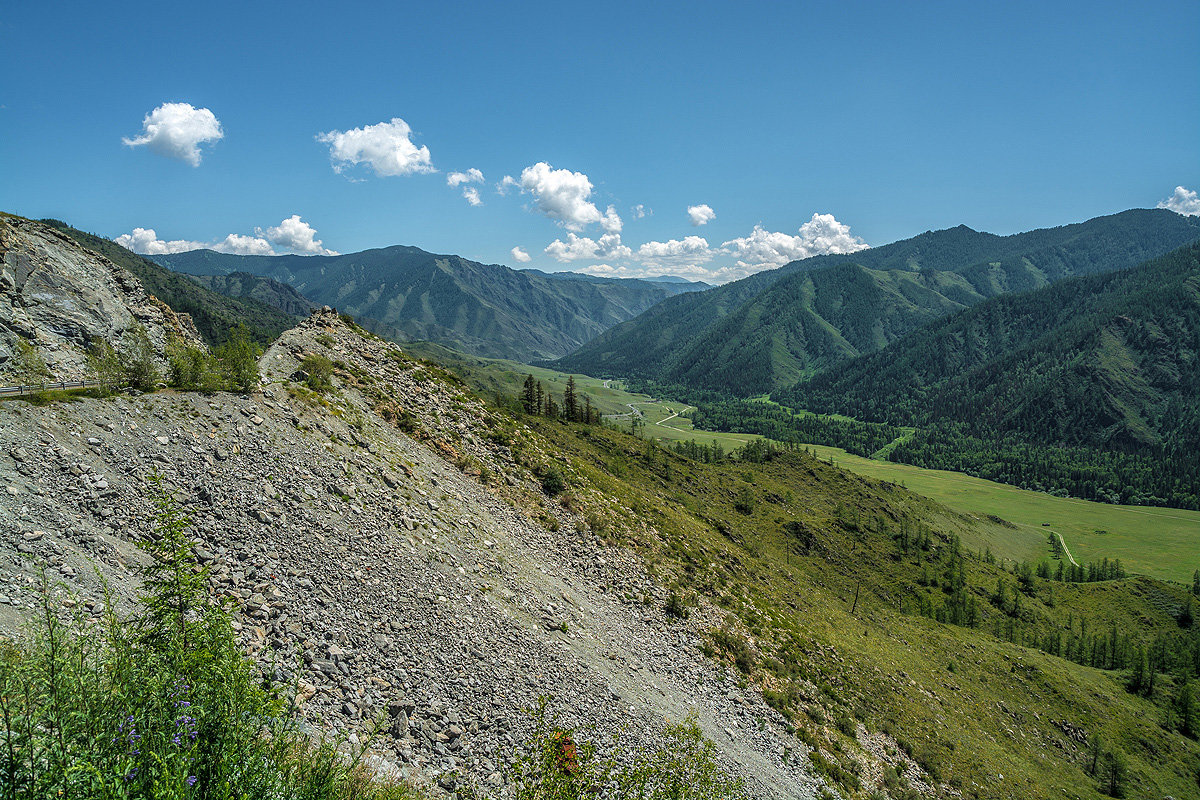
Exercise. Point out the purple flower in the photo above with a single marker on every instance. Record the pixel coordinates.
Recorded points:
(191, 780)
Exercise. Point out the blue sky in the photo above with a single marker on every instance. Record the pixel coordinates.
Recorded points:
(883, 119)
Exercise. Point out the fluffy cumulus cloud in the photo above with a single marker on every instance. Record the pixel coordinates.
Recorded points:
(764, 249)
(611, 221)
(688, 251)
(385, 148)
(520, 256)
(561, 195)
(296, 236)
(701, 214)
(146, 242)
(177, 130)
(1184, 201)
(640, 211)
(456, 179)
(292, 235)
(581, 248)
(506, 183)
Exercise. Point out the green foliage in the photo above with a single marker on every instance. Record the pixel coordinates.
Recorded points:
(160, 705)
(138, 359)
(1090, 387)
(552, 482)
(559, 764)
(193, 369)
(318, 371)
(31, 367)
(104, 365)
(238, 360)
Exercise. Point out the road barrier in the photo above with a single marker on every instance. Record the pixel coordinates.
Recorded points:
(17, 391)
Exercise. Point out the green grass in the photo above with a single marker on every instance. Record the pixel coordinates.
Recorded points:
(970, 706)
(1159, 542)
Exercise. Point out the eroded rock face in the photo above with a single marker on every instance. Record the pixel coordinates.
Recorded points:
(56, 295)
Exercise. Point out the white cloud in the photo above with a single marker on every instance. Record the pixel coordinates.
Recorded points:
(1184, 201)
(292, 235)
(640, 211)
(177, 130)
(244, 245)
(701, 214)
(146, 242)
(506, 183)
(764, 249)
(297, 236)
(561, 195)
(386, 148)
(611, 222)
(520, 256)
(470, 176)
(692, 273)
(456, 179)
(581, 248)
(689, 251)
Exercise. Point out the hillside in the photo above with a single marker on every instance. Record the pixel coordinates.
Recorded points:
(269, 292)
(1109, 363)
(390, 548)
(482, 309)
(213, 313)
(769, 330)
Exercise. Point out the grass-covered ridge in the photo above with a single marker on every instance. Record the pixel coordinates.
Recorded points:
(854, 601)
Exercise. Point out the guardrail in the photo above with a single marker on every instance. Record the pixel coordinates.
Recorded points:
(17, 391)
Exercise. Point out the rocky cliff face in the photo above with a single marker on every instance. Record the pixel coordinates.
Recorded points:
(56, 296)
(379, 545)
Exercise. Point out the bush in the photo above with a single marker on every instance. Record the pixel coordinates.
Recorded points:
(193, 369)
(558, 764)
(238, 359)
(319, 370)
(552, 482)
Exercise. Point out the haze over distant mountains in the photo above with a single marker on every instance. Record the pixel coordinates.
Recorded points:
(483, 309)
(772, 329)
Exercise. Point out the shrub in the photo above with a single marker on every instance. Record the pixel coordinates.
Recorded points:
(238, 357)
(552, 482)
(560, 764)
(319, 370)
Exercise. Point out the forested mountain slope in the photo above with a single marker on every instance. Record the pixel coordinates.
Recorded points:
(768, 330)
(1109, 363)
(483, 309)
(268, 291)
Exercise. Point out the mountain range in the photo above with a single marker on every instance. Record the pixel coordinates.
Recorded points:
(482, 309)
(775, 328)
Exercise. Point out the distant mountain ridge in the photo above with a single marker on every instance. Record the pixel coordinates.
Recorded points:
(482, 309)
(772, 329)
(269, 291)
(1104, 368)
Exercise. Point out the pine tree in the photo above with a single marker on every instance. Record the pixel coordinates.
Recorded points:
(529, 396)
(570, 401)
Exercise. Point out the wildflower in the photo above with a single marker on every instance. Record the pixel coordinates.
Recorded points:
(191, 781)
